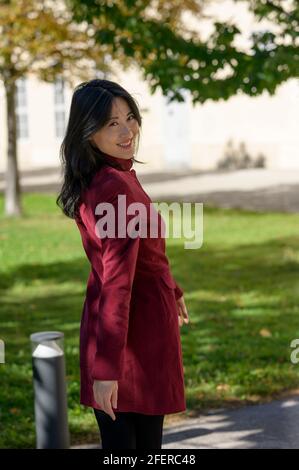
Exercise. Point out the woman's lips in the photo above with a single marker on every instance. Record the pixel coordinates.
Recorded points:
(126, 147)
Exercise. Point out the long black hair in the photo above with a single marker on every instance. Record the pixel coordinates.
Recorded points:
(90, 110)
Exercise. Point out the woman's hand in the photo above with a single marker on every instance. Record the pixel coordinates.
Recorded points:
(182, 310)
(105, 394)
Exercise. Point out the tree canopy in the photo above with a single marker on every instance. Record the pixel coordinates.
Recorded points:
(153, 35)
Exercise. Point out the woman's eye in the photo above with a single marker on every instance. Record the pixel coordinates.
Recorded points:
(132, 116)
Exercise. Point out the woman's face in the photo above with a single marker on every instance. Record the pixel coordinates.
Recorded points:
(120, 129)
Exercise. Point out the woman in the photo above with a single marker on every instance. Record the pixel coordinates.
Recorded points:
(130, 350)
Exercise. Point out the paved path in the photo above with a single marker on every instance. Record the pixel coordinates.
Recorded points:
(272, 425)
(254, 189)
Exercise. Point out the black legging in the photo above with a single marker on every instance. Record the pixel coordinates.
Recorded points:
(130, 430)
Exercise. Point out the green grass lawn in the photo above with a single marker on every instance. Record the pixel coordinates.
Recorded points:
(241, 290)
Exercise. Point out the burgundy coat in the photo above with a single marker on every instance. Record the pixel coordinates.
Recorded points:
(129, 327)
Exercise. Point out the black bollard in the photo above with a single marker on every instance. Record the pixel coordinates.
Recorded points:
(50, 404)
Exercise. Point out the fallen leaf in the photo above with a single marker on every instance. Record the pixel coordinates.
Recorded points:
(265, 333)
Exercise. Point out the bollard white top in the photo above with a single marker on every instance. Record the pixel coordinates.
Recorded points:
(49, 349)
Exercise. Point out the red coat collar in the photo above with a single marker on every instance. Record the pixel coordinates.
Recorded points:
(121, 163)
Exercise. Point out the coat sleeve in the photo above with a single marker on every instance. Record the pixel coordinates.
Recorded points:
(178, 291)
(118, 256)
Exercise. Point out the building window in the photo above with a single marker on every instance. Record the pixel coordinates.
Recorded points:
(59, 91)
(59, 123)
(21, 99)
(21, 109)
(59, 104)
(22, 126)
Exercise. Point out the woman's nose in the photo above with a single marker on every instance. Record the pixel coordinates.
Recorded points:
(128, 134)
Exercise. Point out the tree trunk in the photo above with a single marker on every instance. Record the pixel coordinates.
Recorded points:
(12, 185)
